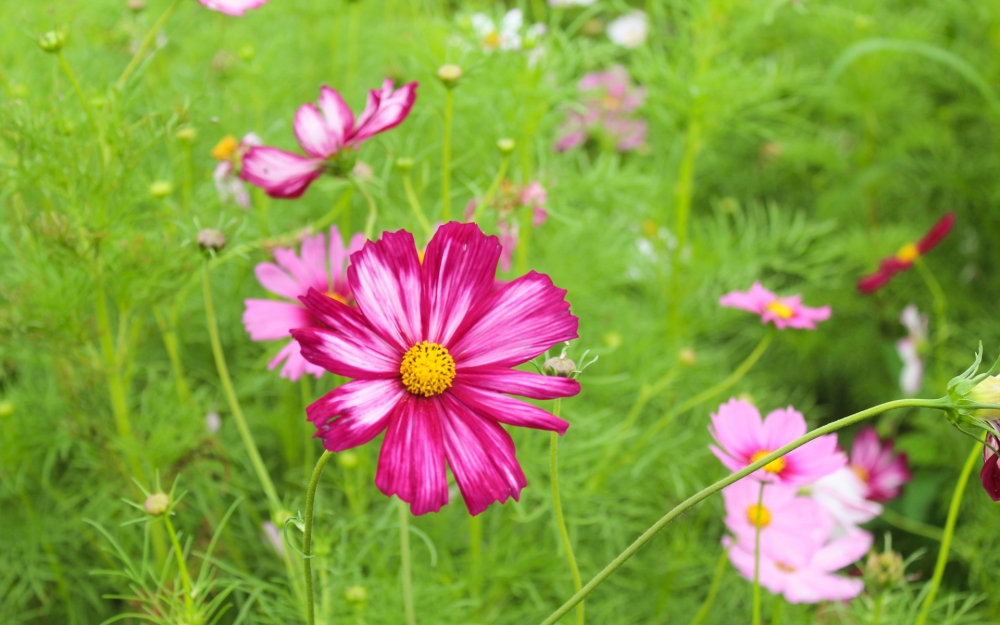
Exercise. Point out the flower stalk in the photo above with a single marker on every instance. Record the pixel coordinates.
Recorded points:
(560, 519)
(404, 557)
(146, 43)
(307, 537)
(449, 103)
(713, 590)
(756, 557)
(181, 566)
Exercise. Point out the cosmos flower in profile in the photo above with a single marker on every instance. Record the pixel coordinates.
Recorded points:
(783, 312)
(432, 345)
(236, 8)
(907, 255)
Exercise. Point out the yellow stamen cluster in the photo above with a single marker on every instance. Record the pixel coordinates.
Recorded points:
(908, 253)
(861, 472)
(775, 466)
(784, 567)
(225, 148)
(782, 310)
(759, 515)
(427, 369)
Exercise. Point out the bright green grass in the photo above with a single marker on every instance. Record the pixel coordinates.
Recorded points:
(802, 177)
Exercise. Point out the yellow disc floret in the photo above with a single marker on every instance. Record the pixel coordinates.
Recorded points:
(427, 369)
(759, 515)
(225, 148)
(782, 310)
(775, 466)
(908, 253)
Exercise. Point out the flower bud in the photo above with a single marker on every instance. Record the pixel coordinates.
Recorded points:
(560, 366)
(363, 172)
(592, 27)
(281, 518)
(506, 146)
(211, 239)
(52, 41)
(6, 409)
(348, 459)
(884, 571)
(157, 504)
(161, 189)
(187, 135)
(135, 5)
(987, 392)
(356, 594)
(449, 75)
(687, 356)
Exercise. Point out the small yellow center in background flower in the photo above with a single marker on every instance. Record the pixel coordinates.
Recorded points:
(782, 310)
(775, 466)
(784, 567)
(491, 41)
(759, 515)
(908, 253)
(225, 148)
(427, 369)
(860, 472)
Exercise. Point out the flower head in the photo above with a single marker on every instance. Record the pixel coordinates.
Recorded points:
(783, 312)
(843, 495)
(508, 200)
(432, 346)
(629, 30)
(229, 153)
(317, 267)
(743, 438)
(907, 255)
(235, 8)
(883, 471)
(324, 133)
(609, 100)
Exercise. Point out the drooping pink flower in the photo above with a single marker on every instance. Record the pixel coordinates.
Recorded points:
(323, 133)
(909, 347)
(874, 461)
(432, 346)
(843, 495)
(791, 527)
(230, 154)
(784, 312)
(743, 439)
(608, 102)
(235, 8)
(812, 581)
(292, 275)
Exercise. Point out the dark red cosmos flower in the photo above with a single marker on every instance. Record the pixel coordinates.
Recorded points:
(906, 256)
(990, 475)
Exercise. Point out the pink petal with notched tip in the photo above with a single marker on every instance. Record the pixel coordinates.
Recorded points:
(505, 409)
(271, 320)
(308, 268)
(481, 456)
(815, 459)
(514, 324)
(457, 273)
(412, 461)
(281, 174)
(738, 429)
(781, 427)
(278, 281)
(385, 109)
(338, 116)
(339, 353)
(235, 8)
(755, 300)
(354, 413)
(523, 383)
(313, 133)
(352, 331)
(295, 365)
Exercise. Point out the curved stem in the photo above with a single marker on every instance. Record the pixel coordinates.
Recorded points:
(418, 210)
(949, 531)
(372, 209)
(713, 590)
(446, 158)
(234, 404)
(307, 536)
(309, 444)
(404, 559)
(756, 556)
(940, 404)
(181, 565)
(560, 520)
(913, 527)
(144, 46)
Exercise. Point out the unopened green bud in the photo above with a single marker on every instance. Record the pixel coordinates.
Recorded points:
(356, 594)
(157, 504)
(404, 163)
(884, 571)
(135, 5)
(987, 392)
(52, 41)
(560, 366)
(280, 518)
(506, 146)
(687, 356)
(187, 135)
(348, 459)
(449, 75)
(6, 408)
(247, 52)
(160, 189)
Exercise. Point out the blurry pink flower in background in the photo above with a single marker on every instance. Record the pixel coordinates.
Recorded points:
(909, 347)
(813, 580)
(843, 495)
(323, 133)
(608, 101)
(226, 176)
(791, 527)
(535, 197)
(509, 199)
(272, 536)
(784, 312)
(235, 8)
(743, 438)
(883, 471)
(508, 243)
(318, 267)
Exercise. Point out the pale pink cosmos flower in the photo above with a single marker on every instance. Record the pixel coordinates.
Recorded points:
(272, 536)
(883, 471)
(608, 101)
(791, 527)
(433, 346)
(291, 276)
(323, 133)
(535, 197)
(235, 8)
(629, 30)
(743, 438)
(909, 347)
(843, 495)
(784, 312)
(814, 580)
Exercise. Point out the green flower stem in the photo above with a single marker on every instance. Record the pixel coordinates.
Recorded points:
(446, 157)
(169, 333)
(181, 566)
(234, 404)
(560, 520)
(756, 557)
(713, 590)
(778, 605)
(404, 559)
(309, 457)
(79, 92)
(372, 209)
(146, 43)
(631, 550)
(941, 331)
(418, 210)
(493, 188)
(949, 531)
(877, 610)
(307, 536)
(476, 554)
(913, 527)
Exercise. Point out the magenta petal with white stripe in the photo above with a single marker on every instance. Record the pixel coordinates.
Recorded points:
(235, 8)
(281, 174)
(434, 343)
(385, 110)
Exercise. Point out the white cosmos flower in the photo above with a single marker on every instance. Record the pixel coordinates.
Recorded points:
(629, 30)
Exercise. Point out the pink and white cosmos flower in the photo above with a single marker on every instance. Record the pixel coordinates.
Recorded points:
(318, 267)
(323, 133)
(433, 346)
(814, 580)
(784, 312)
(743, 439)
(236, 8)
(874, 461)
(843, 495)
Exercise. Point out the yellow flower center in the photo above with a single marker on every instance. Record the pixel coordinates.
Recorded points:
(420, 255)
(784, 567)
(759, 515)
(861, 472)
(611, 103)
(427, 369)
(336, 296)
(775, 466)
(491, 41)
(225, 148)
(782, 310)
(908, 253)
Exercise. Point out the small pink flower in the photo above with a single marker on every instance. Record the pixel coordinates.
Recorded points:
(319, 268)
(814, 580)
(608, 100)
(743, 439)
(235, 8)
(791, 527)
(784, 312)
(272, 536)
(883, 471)
(323, 133)
(433, 346)
(842, 494)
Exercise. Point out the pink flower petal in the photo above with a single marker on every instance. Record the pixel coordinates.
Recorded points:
(842, 552)
(385, 109)
(782, 426)
(339, 259)
(313, 134)
(270, 320)
(738, 430)
(276, 280)
(339, 118)
(755, 300)
(235, 8)
(355, 413)
(309, 270)
(295, 365)
(506, 409)
(348, 322)
(523, 383)
(385, 281)
(411, 464)
(281, 174)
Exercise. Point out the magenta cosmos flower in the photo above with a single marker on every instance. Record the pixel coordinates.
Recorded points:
(744, 439)
(324, 133)
(235, 8)
(432, 346)
(883, 471)
(814, 580)
(784, 312)
(990, 473)
(292, 276)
